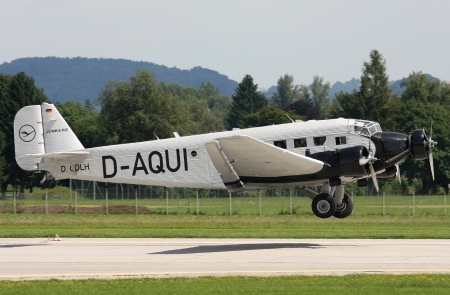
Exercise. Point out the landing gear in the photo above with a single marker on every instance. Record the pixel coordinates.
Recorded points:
(323, 205)
(47, 176)
(345, 208)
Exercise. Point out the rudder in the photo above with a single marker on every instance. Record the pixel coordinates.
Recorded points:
(40, 130)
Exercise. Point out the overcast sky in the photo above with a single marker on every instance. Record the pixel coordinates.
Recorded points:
(265, 39)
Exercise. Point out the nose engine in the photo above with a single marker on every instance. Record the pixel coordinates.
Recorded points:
(393, 148)
(419, 145)
(422, 146)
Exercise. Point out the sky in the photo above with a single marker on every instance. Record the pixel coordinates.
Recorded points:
(265, 39)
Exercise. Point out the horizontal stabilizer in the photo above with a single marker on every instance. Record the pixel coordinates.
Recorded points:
(62, 155)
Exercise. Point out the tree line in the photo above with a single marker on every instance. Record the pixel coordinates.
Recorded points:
(142, 109)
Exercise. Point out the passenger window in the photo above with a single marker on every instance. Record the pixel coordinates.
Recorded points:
(341, 140)
(280, 144)
(300, 142)
(319, 140)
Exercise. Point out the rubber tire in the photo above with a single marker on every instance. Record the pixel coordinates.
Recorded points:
(347, 210)
(323, 206)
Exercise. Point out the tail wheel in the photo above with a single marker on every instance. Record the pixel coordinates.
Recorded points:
(345, 209)
(323, 206)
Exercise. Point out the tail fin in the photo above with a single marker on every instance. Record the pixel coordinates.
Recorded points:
(41, 130)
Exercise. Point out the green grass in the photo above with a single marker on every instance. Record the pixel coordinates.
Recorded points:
(214, 220)
(352, 284)
(363, 205)
(235, 226)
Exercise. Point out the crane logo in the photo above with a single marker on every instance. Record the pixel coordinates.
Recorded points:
(27, 133)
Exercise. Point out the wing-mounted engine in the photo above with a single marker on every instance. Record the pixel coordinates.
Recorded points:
(349, 162)
(353, 160)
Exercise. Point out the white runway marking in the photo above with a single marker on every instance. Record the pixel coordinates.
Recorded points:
(113, 258)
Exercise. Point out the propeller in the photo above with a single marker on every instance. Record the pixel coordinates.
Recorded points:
(420, 147)
(372, 171)
(369, 160)
(431, 144)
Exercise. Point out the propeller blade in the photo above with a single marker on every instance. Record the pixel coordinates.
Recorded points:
(374, 177)
(430, 158)
(431, 144)
(398, 174)
(363, 161)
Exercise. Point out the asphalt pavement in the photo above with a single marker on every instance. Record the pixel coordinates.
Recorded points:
(75, 258)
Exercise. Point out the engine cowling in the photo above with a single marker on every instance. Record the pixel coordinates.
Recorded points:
(349, 161)
(419, 145)
(344, 162)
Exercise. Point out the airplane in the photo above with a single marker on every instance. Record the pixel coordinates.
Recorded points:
(301, 154)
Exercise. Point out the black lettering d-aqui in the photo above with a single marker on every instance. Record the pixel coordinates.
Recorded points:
(105, 175)
(160, 167)
(178, 161)
(142, 167)
(185, 160)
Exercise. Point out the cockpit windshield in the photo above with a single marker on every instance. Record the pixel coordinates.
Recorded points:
(366, 128)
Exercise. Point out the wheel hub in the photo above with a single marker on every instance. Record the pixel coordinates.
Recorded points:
(323, 206)
(341, 207)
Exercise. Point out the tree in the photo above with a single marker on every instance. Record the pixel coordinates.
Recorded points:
(206, 105)
(84, 123)
(286, 91)
(305, 108)
(16, 92)
(136, 110)
(268, 115)
(321, 99)
(424, 102)
(370, 101)
(420, 88)
(246, 100)
(217, 108)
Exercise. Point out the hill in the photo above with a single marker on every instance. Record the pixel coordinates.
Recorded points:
(354, 84)
(78, 79)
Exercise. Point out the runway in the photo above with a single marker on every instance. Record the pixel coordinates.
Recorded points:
(37, 258)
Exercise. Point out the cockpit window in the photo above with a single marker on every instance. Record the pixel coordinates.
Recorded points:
(366, 128)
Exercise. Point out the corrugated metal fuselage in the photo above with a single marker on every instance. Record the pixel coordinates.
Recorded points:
(185, 162)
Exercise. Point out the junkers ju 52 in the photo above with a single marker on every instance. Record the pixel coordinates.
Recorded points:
(326, 153)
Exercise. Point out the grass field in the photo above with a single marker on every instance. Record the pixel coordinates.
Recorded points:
(352, 284)
(235, 226)
(243, 217)
(434, 205)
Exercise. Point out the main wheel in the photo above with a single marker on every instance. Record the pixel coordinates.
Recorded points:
(345, 209)
(323, 206)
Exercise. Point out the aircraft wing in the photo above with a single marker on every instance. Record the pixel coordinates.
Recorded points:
(241, 156)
